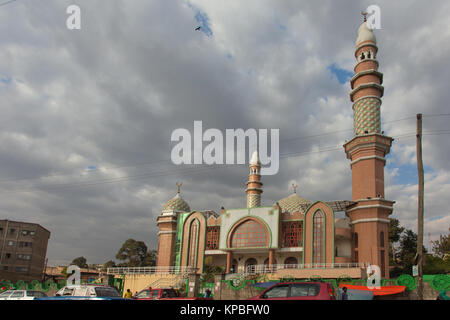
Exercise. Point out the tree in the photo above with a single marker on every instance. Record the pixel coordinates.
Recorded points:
(150, 258)
(395, 231)
(134, 254)
(108, 264)
(441, 247)
(435, 264)
(408, 250)
(80, 262)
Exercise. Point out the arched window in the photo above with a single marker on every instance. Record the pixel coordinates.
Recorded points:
(318, 237)
(382, 239)
(355, 239)
(193, 243)
(248, 234)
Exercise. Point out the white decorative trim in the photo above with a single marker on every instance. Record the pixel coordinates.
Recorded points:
(370, 206)
(367, 158)
(166, 232)
(370, 220)
(215, 252)
(376, 199)
(292, 249)
(365, 44)
(367, 85)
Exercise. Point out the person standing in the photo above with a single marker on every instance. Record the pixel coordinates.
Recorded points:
(344, 295)
(128, 294)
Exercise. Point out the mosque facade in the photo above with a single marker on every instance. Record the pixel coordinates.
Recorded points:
(296, 232)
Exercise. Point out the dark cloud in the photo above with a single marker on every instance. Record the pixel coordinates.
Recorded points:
(110, 95)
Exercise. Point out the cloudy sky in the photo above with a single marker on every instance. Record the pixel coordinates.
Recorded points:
(87, 115)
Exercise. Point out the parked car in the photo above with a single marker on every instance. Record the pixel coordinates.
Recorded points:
(163, 294)
(21, 295)
(298, 291)
(86, 292)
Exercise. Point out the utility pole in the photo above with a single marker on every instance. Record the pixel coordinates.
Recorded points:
(420, 209)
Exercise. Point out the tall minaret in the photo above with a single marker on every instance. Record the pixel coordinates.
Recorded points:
(254, 183)
(367, 151)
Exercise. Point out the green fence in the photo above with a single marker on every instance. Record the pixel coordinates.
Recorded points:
(33, 285)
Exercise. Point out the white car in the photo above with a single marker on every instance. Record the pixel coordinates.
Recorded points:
(88, 291)
(21, 295)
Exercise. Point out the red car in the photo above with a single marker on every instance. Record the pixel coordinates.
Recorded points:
(298, 291)
(162, 294)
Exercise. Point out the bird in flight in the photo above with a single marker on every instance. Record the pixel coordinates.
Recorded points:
(198, 28)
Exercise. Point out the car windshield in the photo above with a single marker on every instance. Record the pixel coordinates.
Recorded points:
(277, 292)
(106, 292)
(17, 294)
(304, 289)
(143, 294)
(6, 293)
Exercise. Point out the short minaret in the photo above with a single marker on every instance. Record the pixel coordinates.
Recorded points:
(254, 183)
(167, 224)
(367, 151)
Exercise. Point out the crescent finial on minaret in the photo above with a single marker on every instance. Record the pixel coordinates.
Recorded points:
(179, 184)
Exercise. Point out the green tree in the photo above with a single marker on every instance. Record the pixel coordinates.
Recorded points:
(134, 254)
(150, 258)
(441, 247)
(408, 250)
(108, 264)
(80, 262)
(435, 264)
(395, 231)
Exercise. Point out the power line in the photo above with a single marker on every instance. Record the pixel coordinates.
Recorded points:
(150, 174)
(184, 171)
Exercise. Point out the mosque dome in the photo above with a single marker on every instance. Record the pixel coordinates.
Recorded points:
(365, 34)
(177, 203)
(293, 203)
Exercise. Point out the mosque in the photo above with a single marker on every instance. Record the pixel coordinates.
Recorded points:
(296, 232)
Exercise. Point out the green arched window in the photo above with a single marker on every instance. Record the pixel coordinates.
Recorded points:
(318, 249)
(193, 243)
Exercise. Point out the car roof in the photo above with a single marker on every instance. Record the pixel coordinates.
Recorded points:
(74, 286)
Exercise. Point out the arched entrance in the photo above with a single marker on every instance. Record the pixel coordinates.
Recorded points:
(266, 265)
(234, 266)
(250, 265)
(291, 262)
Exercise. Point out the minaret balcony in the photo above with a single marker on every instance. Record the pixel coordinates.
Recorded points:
(366, 76)
(254, 189)
(366, 64)
(370, 89)
(376, 140)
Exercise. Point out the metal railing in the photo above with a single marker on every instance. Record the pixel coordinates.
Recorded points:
(150, 270)
(258, 269)
(169, 282)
